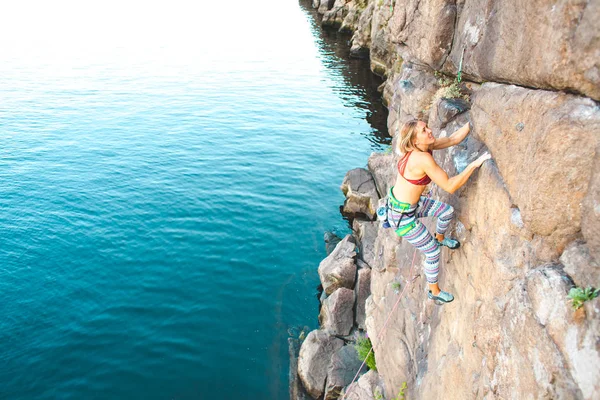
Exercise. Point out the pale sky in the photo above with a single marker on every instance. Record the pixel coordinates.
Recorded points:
(59, 28)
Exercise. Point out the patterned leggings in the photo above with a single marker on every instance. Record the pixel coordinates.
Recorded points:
(404, 218)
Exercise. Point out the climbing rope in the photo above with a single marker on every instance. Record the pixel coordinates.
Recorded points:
(382, 331)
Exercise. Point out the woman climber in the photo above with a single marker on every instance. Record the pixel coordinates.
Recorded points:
(416, 169)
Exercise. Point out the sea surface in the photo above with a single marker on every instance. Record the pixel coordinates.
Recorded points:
(167, 173)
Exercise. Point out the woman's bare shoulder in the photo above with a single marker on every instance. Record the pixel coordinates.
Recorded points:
(422, 156)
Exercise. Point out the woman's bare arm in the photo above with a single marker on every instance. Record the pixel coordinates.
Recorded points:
(454, 139)
(440, 178)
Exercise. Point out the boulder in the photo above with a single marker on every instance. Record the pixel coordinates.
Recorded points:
(361, 193)
(342, 369)
(337, 316)
(534, 44)
(297, 391)
(314, 359)
(339, 269)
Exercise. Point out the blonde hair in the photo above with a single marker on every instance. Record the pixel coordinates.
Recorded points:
(407, 136)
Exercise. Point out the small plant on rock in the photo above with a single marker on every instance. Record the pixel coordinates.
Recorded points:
(579, 296)
(449, 89)
(377, 394)
(363, 347)
(401, 392)
(396, 286)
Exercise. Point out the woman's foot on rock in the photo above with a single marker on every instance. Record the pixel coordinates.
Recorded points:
(450, 243)
(442, 296)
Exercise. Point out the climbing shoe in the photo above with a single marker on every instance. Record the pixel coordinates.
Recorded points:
(442, 296)
(450, 243)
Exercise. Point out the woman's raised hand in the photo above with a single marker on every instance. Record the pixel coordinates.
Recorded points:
(484, 157)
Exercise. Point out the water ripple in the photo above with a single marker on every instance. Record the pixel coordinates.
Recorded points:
(163, 201)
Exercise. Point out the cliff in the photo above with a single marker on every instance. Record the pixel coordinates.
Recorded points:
(529, 221)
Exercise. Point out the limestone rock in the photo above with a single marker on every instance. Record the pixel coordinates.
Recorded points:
(425, 30)
(336, 315)
(446, 110)
(325, 5)
(543, 45)
(361, 193)
(392, 350)
(548, 287)
(511, 332)
(344, 366)
(381, 50)
(365, 233)
(350, 22)
(547, 164)
(362, 291)
(580, 265)
(361, 38)
(297, 391)
(331, 241)
(590, 224)
(339, 268)
(367, 387)
(410, 95)
(383, 173)
(313, 362)
(385, 249)
(335, 17)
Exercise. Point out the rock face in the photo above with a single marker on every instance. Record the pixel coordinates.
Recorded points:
(543, 45)
(362, 292)
(409, 95)
(528, 220)
(425, 32)
(545, 159)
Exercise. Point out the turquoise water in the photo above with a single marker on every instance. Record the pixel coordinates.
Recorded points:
(164, 189)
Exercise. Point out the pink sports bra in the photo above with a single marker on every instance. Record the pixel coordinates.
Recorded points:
(426, 180)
